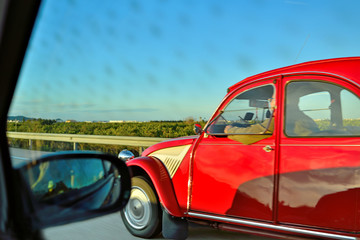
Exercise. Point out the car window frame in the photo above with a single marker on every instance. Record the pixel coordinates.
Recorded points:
(231, 98)
(328, 78)
(17, 21)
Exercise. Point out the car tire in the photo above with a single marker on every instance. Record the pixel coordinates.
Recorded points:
(142, 216)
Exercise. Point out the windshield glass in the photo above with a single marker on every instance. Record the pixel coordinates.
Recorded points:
(248, 109)
(152, 68)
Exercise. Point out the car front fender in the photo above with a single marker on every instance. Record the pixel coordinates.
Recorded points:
(161, 180)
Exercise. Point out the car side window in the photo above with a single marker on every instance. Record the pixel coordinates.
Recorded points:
(248, 109)
(314, 108)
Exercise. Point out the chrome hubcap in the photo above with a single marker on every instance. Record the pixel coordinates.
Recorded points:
(138, 209)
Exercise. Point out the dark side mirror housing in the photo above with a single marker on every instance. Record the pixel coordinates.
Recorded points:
(68, 187)
(197, 129)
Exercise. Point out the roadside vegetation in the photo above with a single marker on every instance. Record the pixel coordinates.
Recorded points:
(161, 129)
(348, 123)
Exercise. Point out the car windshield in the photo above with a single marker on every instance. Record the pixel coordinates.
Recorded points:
(246, 109)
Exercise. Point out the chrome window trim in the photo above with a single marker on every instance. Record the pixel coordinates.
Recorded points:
(272, 227)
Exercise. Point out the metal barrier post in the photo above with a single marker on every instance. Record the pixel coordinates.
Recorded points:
(141, 149)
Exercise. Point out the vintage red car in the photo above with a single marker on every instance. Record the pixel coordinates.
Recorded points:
(279, 157)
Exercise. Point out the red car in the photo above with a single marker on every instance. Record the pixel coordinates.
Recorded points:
(279, 157)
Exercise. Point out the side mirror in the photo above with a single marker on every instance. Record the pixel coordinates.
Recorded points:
(69, 187)
(125, 155)
(197, 129)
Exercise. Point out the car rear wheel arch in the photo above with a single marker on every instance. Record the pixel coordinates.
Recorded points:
(157, 173)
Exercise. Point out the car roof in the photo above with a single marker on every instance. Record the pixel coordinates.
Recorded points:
(348, 67)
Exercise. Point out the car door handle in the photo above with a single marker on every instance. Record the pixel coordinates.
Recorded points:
(268, 148)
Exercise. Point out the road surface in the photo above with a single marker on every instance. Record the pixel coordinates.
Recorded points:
(21, 156)
(110, 227)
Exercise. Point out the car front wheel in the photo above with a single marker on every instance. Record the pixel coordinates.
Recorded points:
(142, 215)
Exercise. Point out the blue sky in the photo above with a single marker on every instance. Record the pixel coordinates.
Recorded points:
(168, 60)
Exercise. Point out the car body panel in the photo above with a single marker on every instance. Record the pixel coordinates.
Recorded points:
(221, 181)
(169, 143)
(345, 67)
(180, 177)
(161, 180)
(218, 176)
(180, 181)
(318, 177)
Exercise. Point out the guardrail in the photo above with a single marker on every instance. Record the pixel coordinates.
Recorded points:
(140, 142)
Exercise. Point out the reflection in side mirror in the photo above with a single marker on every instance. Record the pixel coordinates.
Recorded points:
(59, 181)
(76, 186)
(197, 129)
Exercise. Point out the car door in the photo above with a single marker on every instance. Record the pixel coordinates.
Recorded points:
(319, 166)
(234, 177)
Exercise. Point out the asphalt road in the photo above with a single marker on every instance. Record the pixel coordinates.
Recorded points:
(21, 156)
(110, 227)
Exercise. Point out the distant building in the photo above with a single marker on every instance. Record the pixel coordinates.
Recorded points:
(122, 121)
(70, 121)
(16, 121)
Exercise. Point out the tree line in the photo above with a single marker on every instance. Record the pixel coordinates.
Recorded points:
(162, 129)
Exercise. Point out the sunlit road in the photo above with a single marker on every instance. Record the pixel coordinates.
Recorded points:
(20, 156)
(110, 227)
